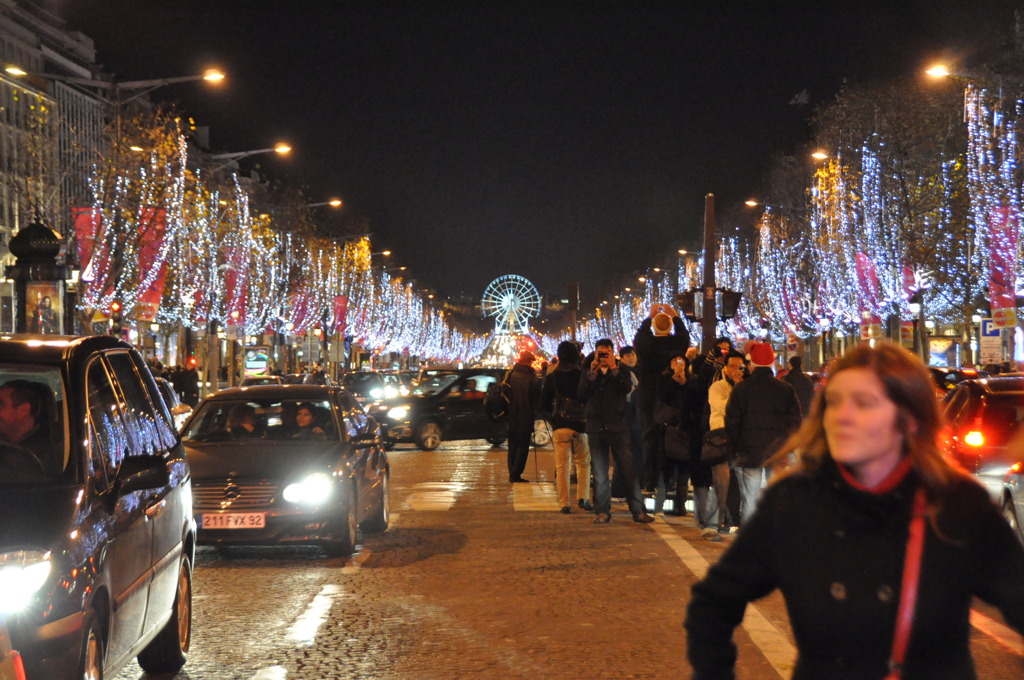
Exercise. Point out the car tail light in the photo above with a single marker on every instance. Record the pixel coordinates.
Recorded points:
(1016, 468)
(974, 438)
(19, 666)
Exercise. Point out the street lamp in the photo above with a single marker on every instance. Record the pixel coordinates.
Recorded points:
(334, 203)
(114, 87)
(280, 148)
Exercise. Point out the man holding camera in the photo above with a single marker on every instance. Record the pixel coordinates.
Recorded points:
(661, 336)
(604, 387)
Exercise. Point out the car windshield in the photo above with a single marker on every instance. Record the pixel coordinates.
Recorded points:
(435, 383)
(1002, 416)
(33, 441)
(360, 383)
(243, 420)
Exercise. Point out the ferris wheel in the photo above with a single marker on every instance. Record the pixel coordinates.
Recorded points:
(512, 301)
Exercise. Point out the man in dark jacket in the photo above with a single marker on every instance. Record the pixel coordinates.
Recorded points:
(604, 386)
(523, 398)
(762, 411)
(801, 384)
(661, 336)
(559, 399)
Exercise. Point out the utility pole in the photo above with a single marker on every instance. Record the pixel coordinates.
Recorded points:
(709, 315)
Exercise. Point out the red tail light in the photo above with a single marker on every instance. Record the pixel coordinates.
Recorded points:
(19, 666)
(974, 438)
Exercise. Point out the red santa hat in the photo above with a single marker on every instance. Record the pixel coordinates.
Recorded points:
(761, 354)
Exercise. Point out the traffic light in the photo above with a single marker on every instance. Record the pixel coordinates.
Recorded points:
(685, 302)
(192, 361)
(730, 303)
(116, 310)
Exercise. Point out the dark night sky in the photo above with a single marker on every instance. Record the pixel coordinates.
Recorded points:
(556, 140)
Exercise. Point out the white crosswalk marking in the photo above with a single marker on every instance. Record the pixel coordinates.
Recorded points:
(534, 497)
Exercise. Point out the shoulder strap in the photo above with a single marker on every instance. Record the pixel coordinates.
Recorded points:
(908, 591)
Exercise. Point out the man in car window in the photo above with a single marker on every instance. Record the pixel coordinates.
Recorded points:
(21, 406)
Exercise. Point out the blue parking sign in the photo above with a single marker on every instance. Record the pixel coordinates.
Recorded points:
(989, 329)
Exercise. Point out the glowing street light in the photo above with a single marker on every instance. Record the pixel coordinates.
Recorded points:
(938, 71)
(819, 155)
(280, 148)
(114, 87)
(334, 203)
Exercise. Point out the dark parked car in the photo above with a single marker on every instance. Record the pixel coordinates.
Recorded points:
(95, 495)
(445, 405)
(983, 416)
(294, 464)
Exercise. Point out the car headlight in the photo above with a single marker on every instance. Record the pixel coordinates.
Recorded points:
(376, 393)
(398, 413)
(22, 574)
(313, 490)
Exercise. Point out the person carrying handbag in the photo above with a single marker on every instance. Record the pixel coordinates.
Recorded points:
(876, 542)
(560, 401)
(718, 397)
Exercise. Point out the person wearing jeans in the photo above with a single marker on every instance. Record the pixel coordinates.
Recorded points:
(603, 387)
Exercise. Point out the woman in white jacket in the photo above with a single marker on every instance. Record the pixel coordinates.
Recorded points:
(718, 397)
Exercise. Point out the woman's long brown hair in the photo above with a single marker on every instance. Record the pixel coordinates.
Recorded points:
(909, 386)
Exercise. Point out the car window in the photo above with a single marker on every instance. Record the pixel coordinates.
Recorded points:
(33, 424)
(435, 383)
(108, 436)
(161, 407)
(244, 420)
(955, 406)
(145, 435)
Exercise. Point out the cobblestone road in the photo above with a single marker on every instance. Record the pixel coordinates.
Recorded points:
(480, 578)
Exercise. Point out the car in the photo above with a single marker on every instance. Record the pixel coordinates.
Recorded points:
(97, 541)
(946, 377)
(287, 465)
(11, 665)
(371, 386)
(445, 405)
(253, 380)
(983, 416)
(179, 411)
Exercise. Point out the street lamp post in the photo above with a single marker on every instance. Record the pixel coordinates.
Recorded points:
(709, 319)
(280, 148)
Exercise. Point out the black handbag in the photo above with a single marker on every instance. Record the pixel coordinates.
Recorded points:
(715, 449)
(676, 441)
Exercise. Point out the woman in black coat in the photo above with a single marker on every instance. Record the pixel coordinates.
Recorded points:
(679, 404)
(832, 535)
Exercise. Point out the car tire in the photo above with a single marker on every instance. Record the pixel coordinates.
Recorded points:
(168, 650)
(345, 545)
(377, 523)
(428, 435)
(1010, 513)
(90, 665)
(495, 441)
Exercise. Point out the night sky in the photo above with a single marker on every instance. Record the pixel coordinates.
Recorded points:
(556, 140)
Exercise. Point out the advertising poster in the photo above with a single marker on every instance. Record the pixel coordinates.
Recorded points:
(43, 308)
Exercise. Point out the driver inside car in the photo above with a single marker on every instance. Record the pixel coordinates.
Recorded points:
(23, 441)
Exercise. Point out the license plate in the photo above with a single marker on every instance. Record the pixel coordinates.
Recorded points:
(234, 520)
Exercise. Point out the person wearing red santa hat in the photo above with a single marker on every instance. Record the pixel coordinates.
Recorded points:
(762, 411)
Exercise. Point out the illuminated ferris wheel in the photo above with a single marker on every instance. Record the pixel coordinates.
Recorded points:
(512, 301)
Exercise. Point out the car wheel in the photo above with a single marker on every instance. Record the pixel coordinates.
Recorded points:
(167, 652)
(90, 666)
(428, 435)
(495, 441)
(378, 522)
(345, 545)
(1010, 513)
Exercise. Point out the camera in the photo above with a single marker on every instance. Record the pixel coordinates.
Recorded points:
(601, 355)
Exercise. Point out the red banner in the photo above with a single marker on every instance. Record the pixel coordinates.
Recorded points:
(152, 230)
(88, 234)
(867, 282)
(340, 314)
(1002, 279)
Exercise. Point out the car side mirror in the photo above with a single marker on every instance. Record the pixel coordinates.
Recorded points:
(142, 472)
(181, 409)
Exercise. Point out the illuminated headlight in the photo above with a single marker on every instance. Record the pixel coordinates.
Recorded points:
(390, 392)
(398, 413)
(22, 574)
(376, 393)
(312, 490)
